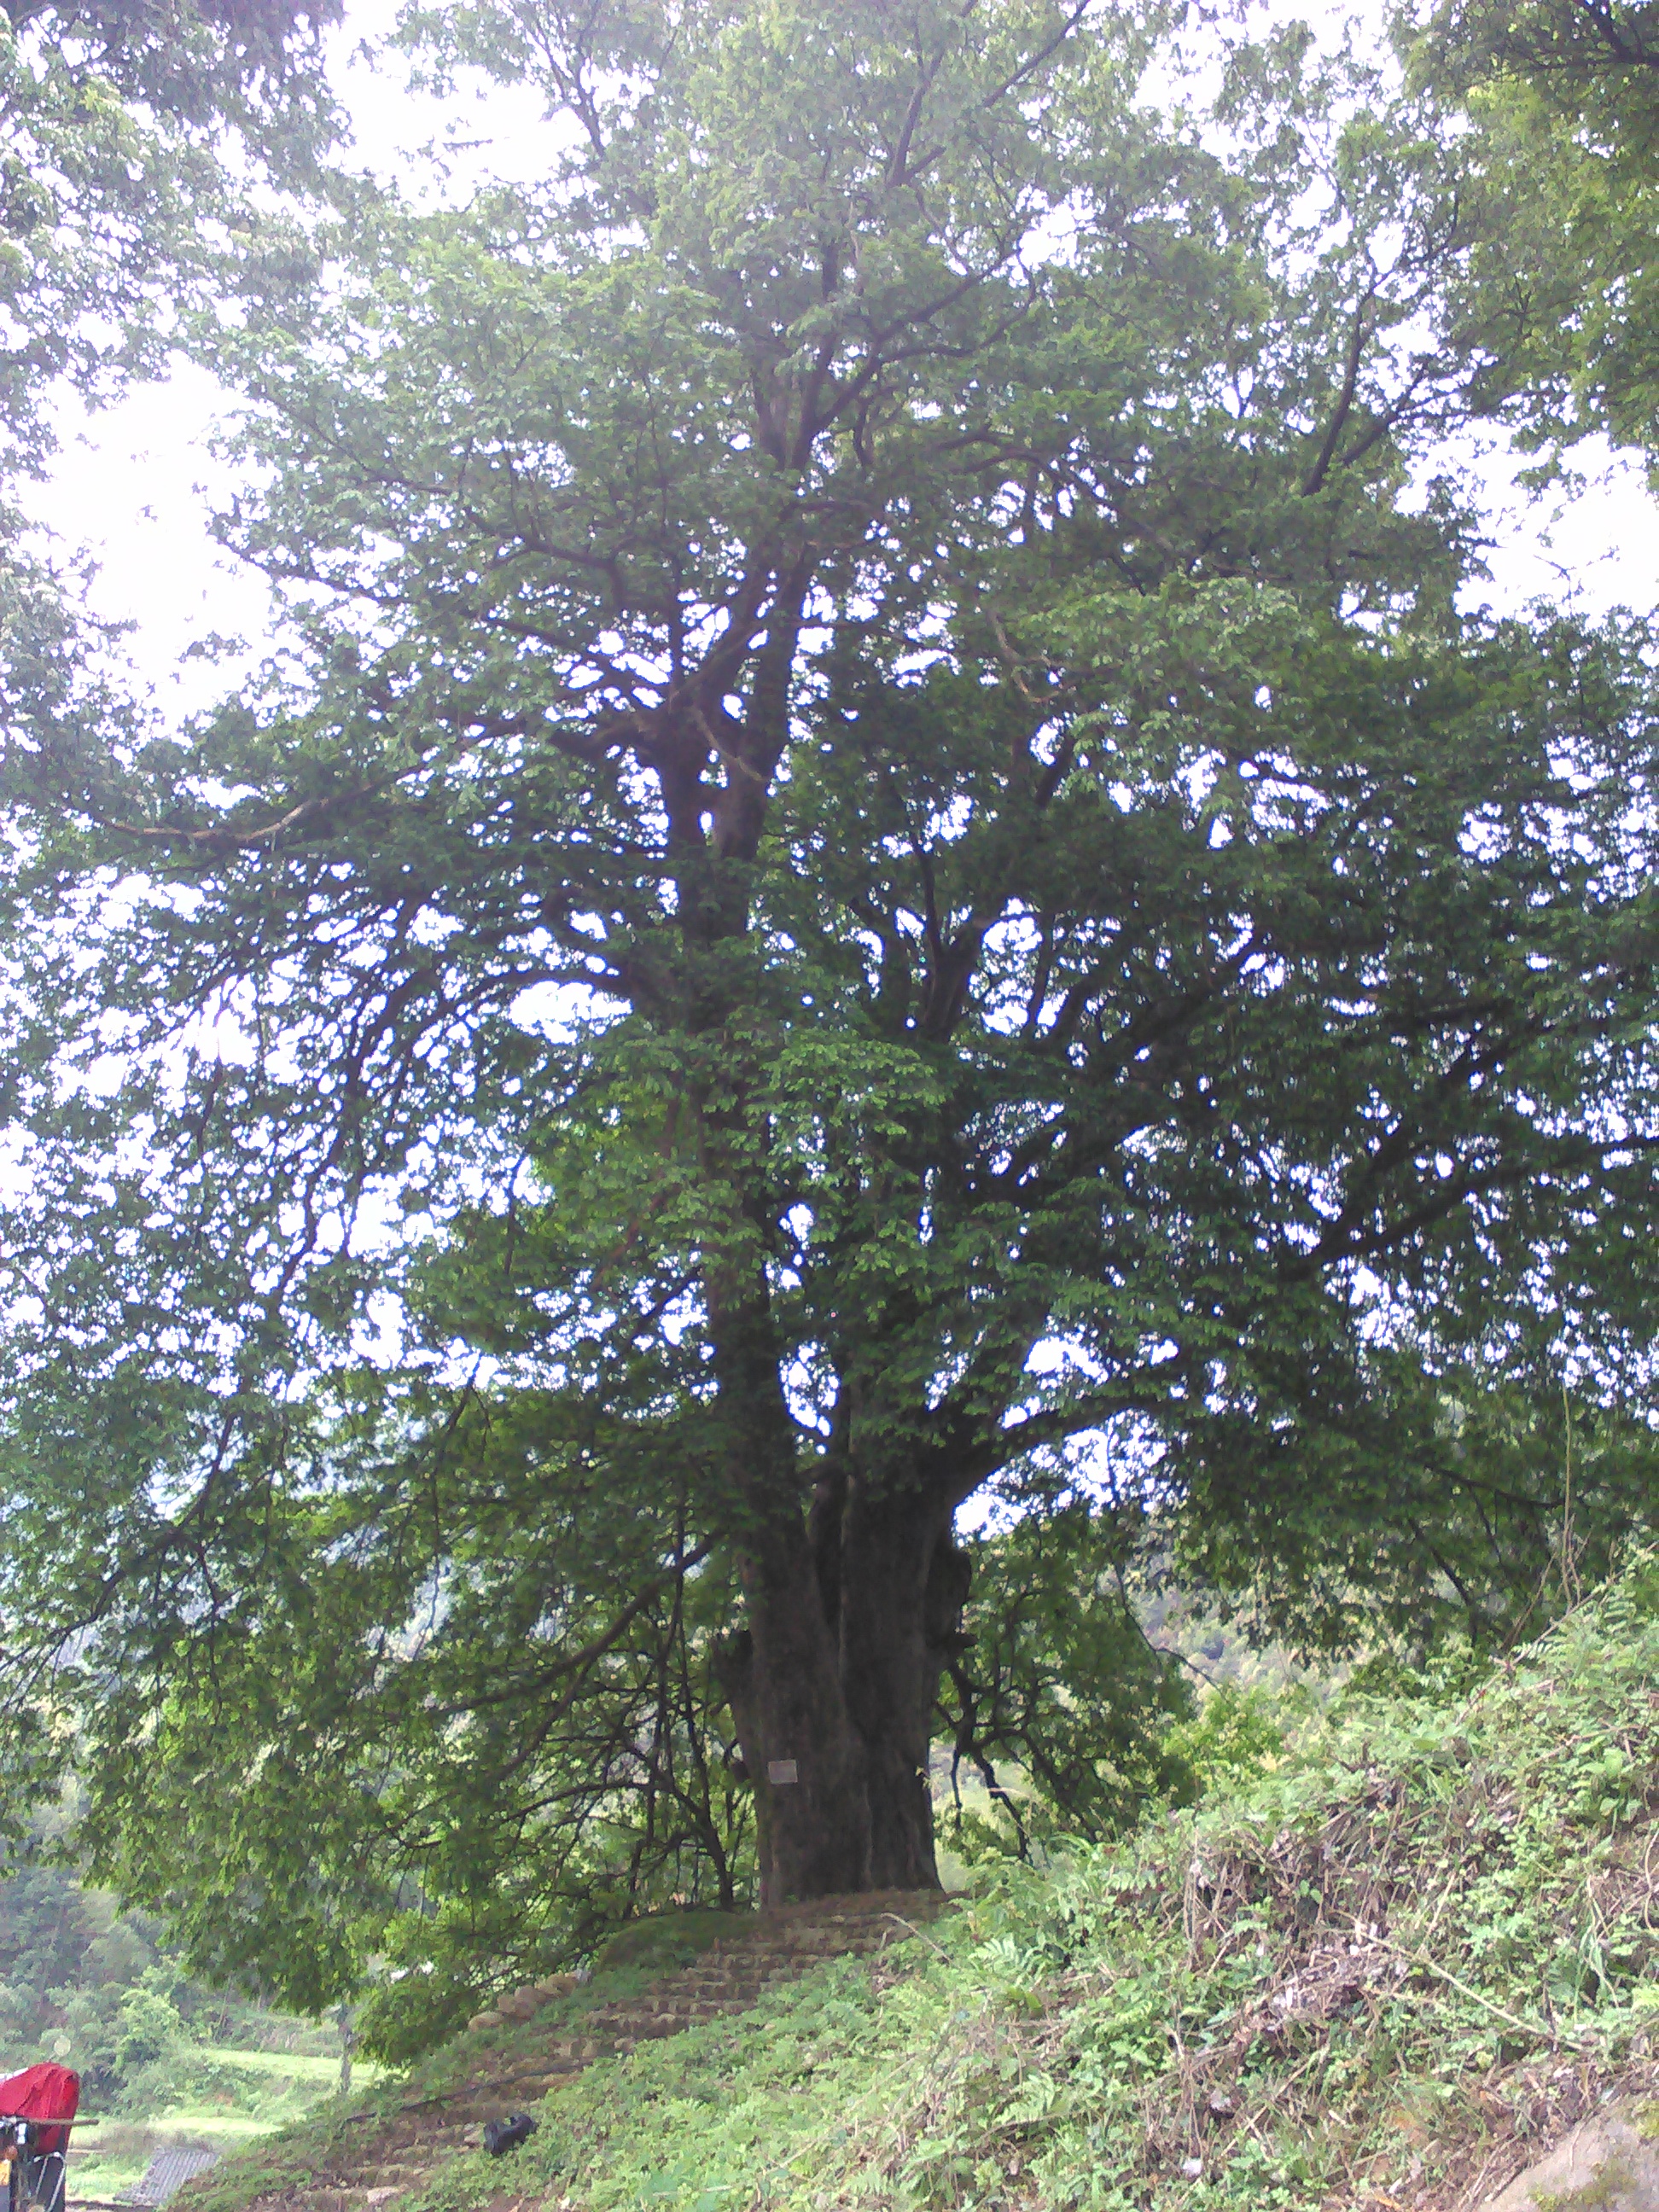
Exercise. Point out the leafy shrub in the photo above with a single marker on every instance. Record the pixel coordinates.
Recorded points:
(1236, 1736)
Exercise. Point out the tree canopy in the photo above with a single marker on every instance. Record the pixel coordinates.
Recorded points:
(882, 874)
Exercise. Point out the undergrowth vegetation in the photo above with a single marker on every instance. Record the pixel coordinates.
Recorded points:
(1382, 1972)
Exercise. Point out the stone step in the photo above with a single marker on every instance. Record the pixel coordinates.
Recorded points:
(732, 1976)
(545, 2069)
(542, 2068)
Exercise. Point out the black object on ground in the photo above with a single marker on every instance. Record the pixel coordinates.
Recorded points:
(508, 2134)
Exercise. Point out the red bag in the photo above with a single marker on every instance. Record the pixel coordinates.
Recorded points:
(46, 2097)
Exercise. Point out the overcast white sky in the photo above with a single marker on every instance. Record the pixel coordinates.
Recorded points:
(137, 483)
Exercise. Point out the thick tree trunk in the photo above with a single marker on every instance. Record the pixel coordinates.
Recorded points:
(851, 1614)
(811, 1809)
(832, 1687)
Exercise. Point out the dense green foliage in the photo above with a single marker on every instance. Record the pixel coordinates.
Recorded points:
(1408, 1952)
(1563, 96)
(113, 115)
(160, 2057)
(881, 869)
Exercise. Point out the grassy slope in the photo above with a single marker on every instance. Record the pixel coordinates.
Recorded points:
(1385, 1976)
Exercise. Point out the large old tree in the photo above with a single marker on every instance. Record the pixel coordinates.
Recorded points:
(878, 871)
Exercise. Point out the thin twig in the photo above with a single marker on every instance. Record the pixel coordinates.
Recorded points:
(923, 1932)
(1540, 2028)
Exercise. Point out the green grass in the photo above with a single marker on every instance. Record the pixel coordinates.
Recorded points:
(209, 2124)
(662, 1940)
(109, 2161)
(299, 2066)
(281, 2088)
(1420, 1945)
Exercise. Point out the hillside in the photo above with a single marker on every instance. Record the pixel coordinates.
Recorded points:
(1389, 1974)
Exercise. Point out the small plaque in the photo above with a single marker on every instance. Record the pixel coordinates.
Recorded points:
(781, 1770)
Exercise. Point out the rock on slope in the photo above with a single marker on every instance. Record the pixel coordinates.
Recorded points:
(1610, 2164)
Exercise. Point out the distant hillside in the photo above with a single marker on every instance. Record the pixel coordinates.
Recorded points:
(84, 1982)
(161, 2059)
(1383, 1974)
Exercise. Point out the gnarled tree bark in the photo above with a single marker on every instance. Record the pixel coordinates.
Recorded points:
(832, 1685)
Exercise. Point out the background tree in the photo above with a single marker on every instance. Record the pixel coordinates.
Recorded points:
(882, 853)
(85, 1983)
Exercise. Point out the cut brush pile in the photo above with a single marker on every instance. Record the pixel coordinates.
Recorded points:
(1388, 1975)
